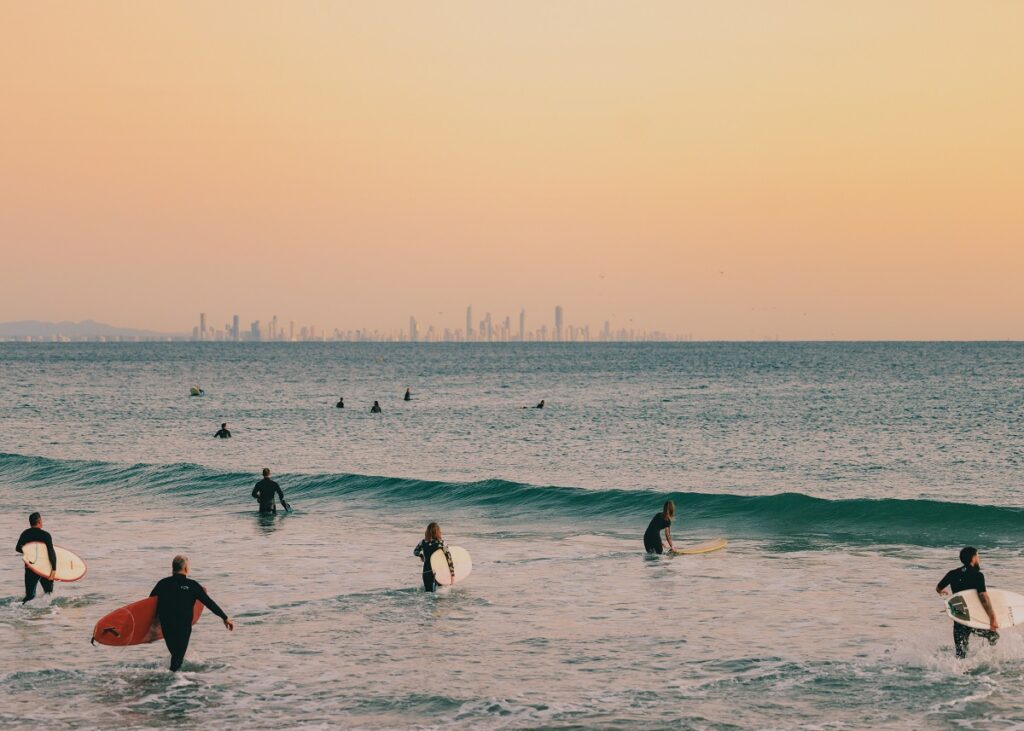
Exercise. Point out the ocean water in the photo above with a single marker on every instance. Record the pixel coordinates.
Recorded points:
(846, 477)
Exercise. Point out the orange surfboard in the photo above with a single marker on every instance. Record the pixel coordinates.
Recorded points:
(134, 624)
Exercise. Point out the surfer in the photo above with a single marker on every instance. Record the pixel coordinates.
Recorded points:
(660, 522)
(538, 406)
(432, 541)
(408, 395)
(223, 433)
(375, 409)
(176, 597)
(969, 576)
(340, 404)
(266, 491)
(36, 533)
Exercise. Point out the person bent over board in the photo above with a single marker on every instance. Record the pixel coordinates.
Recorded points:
(176, 597)
(432, 541)
(266, 492)
(36, 533)
(660, 522)
(969, 576)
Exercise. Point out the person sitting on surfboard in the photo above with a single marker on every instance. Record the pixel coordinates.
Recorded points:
(223, 433)
(969, 576)
(176, 597)
(36, 533)
(266, 491)
(660, 522)
(432, 541)
(375, 409)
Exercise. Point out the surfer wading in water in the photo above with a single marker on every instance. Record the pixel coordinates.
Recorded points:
(223, 432)
(660, 522)
(969, 576)
(30, 535)
(267, 491)
(432, 541)
(176, 597)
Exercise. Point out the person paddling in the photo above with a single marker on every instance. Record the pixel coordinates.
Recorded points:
(660, 522)
(176, 597)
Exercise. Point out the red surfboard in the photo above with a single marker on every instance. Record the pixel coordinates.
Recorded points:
(134, 624)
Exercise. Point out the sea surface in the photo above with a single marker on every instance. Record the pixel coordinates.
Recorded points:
(845, 476)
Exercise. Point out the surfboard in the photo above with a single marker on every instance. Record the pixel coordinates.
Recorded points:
(460, 561)
(715, 544)
(134, 624)
(70, 566)
(965, 608)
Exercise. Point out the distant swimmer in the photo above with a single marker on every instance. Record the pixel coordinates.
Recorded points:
(376, 408)
(538, 406)
(223, 433)
(266, 491)
(176, 597)
(340, 404)
(432, 541)
(660, 522)
(36, 533)
(969, 576)
(408, 395)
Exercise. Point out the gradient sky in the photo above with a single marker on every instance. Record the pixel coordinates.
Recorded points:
(728, 169)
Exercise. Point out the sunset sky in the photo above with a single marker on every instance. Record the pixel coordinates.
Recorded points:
(734, 170)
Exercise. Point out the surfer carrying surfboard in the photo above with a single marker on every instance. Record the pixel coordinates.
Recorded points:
(432, 541)
(36, 533)
(660, 522)
(267, 491)
(176, 597)
(969, 576)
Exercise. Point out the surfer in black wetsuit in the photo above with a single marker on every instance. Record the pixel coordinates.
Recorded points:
(176, 597)
(341, 403)
(36, 533)
(223, 433)
(660, 522)
(375, 409)
(408, 395)
(266, 491)
(432, 541)
(969, 576)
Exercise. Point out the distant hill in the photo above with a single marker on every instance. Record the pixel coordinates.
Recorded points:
(83, 329)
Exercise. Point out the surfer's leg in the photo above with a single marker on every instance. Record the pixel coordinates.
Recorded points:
(428, 581)
(961, 638)
(31, 580)
(47, 585)
(177, 644)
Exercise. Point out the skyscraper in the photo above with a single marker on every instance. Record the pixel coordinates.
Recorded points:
(469, 323)
(413, 329)
(202, 326)
(558, 322)
(522, 325)
(234, 328)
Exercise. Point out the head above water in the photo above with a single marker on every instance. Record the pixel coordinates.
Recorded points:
(180, 564)
(35, 520)
(224, 425)
(433, 532)
(669, 510)
(969, 556)
(266, 472)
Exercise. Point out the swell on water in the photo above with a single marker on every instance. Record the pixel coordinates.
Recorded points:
(804, 520)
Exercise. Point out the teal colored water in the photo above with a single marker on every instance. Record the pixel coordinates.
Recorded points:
(846, 477)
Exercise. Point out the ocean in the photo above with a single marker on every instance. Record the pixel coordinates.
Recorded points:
(846, 477)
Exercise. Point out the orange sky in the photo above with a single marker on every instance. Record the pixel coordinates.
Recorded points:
(728, 169)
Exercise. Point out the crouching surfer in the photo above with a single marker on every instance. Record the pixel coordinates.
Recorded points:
(36, 533)
(432, 541)
(969, 576)
(660, 522)
(176, 597)
(266, 492)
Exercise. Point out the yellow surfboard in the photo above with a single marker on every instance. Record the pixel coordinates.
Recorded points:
(715, 544)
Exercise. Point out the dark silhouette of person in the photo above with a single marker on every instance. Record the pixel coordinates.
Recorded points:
(376, 408)
(223, 433)
(266, 491)
(408, 395)
(30, 535)
(341, 403)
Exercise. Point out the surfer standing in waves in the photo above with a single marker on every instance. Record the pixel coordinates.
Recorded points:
(432, 541)
(660, 522)
(29, 535)
(176, 597)
(969, 576)
(266, 491)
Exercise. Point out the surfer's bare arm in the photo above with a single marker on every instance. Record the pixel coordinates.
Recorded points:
(668, 537)
(983, 595)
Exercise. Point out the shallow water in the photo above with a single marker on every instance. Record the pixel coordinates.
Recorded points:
(820, 614)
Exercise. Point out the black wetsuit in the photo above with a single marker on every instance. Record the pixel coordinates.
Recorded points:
(426, 549)
(265, 491)
(652, 537)
(176, 598)
(375, 409)
(32, 578)
(223, 434)
(408, 396)
(340, 404)
(962, 579)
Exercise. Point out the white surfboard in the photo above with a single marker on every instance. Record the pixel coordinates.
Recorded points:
(715, 544)
(70, 566)
(965, 608)
(442, 571)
